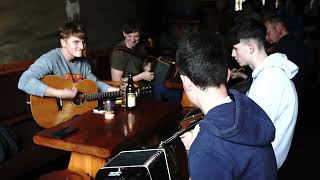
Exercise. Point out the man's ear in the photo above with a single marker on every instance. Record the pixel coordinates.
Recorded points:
(187, 83)
(63, 43)
(124, 34)
(251, 46)
(228, 75)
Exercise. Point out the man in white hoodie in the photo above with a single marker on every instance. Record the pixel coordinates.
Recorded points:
(272, 88)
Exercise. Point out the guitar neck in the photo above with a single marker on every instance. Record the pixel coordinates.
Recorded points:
(189, 121)
(114, 94)
(101, 96)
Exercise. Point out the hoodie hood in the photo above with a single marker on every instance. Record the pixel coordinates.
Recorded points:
(241, 121)
(280, 61)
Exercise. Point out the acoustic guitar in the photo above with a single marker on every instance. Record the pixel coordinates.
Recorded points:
(50, 111)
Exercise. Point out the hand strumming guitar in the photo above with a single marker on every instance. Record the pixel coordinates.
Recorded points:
(65, 93)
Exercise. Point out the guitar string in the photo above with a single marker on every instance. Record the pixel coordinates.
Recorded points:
(95, 96)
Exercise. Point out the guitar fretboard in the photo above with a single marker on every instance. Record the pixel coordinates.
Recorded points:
(113, 94)
(101, 96)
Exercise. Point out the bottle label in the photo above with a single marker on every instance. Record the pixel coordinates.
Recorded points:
(131, 100)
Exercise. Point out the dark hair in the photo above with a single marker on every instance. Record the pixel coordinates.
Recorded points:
(132, 26)
(72, 29)
(248, 29)
(203, 58)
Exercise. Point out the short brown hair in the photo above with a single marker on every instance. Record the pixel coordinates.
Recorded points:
(72, 29)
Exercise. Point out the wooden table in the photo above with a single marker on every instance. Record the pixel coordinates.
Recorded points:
(99, 139)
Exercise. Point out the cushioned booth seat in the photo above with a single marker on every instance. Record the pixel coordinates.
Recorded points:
(15, 115)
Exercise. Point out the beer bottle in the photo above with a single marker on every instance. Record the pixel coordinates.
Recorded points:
(130, 94)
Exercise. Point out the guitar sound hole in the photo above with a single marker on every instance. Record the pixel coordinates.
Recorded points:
(79, 99)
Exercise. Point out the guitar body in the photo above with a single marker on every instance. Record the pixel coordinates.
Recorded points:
(45, 110)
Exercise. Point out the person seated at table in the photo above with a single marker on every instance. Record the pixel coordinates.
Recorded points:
(66, 61)
(129, 57)
(233, 140)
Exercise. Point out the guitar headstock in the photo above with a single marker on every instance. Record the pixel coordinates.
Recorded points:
(144, 90)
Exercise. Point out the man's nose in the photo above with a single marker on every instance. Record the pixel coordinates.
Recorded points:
(135, 39)
(233, 53)
(82, 45)
(267, 38)
(132, 39)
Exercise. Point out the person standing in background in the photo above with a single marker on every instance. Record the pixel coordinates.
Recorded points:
(272, 88)
(282, 41)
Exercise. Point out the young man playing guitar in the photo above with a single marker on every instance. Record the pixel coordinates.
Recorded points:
(67, 62)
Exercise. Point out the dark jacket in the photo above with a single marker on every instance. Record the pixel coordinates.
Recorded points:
(299, 54)
(234, 142)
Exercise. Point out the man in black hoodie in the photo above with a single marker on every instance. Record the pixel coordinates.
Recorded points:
(233, 141)
(283, 41)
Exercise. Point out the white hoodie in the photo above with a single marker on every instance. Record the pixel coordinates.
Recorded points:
(273, 90)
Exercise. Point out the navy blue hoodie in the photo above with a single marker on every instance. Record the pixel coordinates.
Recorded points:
(234, 142)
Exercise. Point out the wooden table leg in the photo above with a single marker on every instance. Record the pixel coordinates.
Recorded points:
(86, 163)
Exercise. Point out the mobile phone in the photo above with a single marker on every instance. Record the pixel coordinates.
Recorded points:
(61, 133)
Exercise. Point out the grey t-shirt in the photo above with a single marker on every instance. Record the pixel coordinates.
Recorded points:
(54, 63)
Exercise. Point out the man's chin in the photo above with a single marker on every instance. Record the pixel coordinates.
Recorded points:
(241, 64)
(132, 46)
(78, 55)
(271, 42)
